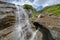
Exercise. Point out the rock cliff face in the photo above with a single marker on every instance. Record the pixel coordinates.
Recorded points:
(51, 23)
(29, 12)
(7, 19)
(7, 16)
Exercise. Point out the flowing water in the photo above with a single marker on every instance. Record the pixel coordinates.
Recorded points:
(23, 25)
(22, 29)
(33, 35)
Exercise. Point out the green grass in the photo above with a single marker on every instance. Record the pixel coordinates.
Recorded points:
(55, 9)
(36, 14)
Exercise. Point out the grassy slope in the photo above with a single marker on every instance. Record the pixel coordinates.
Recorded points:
(55, 9)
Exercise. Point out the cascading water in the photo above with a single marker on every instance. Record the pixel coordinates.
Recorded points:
(23, 26)
(22, 29)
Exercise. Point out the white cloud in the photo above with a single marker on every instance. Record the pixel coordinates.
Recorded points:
(22, 2)
(37, 3)
(52, 2)
(45, 5)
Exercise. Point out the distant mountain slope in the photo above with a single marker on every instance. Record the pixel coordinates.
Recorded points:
(55, 9)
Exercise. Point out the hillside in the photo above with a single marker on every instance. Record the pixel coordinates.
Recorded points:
(55, 10)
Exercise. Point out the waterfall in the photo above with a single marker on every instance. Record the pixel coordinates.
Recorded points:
(23, 25)
(22, 29)
(33, 35)
(22, 21)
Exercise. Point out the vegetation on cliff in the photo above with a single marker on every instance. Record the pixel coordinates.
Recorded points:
(27, 6)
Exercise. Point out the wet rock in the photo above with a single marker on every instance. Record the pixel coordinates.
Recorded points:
(7, 19)
(51, 24)
(28, 35)
(45, 32)
(7, 14)
(29, 12)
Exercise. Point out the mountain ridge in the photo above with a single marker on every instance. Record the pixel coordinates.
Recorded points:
(54, 9)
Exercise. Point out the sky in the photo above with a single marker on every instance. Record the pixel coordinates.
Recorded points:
(37, 4)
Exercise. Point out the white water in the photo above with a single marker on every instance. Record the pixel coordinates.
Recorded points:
(22, 29)
(22, 20)
(33, 35)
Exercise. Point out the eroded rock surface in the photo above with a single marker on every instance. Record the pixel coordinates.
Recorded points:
(52, 23)
(7, 19)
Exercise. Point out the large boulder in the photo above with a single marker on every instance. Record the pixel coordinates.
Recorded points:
(51, 26)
